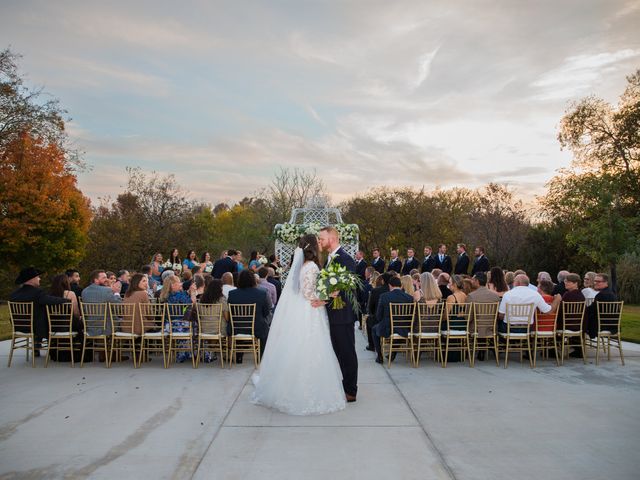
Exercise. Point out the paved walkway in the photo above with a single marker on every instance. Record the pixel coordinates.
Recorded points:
(576, 421)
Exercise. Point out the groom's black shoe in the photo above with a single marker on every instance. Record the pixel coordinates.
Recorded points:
(350, 398)
(370, 348)
(379, 359)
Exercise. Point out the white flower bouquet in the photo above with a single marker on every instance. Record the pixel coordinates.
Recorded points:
(177, 267)
(336, 278)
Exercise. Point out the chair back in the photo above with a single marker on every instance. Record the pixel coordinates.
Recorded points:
(21, 316)
(484, 317)
(94, 317)
(609, 315)
(60, 317)
(209, 318)
(545, 322)
(402, 316)
(152, 316)
(177, 319)
(122, 317)
(242, 318)
(573, 315)
(519, 316)
(458, 315)
(430, 317)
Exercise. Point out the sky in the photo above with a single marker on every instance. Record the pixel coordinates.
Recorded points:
(433, 94)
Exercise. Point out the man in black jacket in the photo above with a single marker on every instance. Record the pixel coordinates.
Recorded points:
(410, 263)
(377, 262)
(443, 261)
(224, 265)
(462, 263)
(374, 298)
(481, 263)
(429, 262)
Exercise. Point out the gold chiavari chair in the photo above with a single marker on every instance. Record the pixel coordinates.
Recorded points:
(154, 337)
(242, 319)
(123, 337)
(484, 329)
(96, 325)
(180, 332)
(363, 324)
(544, 335)
(210, 338)
(572, 324)
(456, 330)
(426, 337)
(518, 318)
(609, 316)
(402, 316)
(21, 318)
(61, 334)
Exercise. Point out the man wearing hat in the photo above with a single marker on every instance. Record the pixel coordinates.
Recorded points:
(30, 291)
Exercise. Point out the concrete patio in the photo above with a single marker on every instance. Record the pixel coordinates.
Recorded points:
(576, 421)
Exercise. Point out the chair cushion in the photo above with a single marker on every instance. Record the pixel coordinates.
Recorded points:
(570, 332)
(605, 332)
(544, 333)
(126, 335)
(455, 333)
(210, 336)
(64, 334)
(243, 335)
(181, 334)
(427, 335)
(396, 336)
(22, 334)
(155, 334)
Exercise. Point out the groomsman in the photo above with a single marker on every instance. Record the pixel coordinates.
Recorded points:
(462, 263)
(394, 262)
(481, 263)
(410, 263)
(377, 262)
(361, 264)
(429, 262)
(443, 261)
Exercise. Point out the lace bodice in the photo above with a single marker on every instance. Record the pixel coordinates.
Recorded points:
(308, 277)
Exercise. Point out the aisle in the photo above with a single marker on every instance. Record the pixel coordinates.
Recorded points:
(376, 437)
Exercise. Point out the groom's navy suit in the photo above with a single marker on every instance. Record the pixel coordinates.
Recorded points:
(341, 326)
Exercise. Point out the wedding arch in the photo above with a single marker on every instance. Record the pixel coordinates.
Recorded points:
(310, 219)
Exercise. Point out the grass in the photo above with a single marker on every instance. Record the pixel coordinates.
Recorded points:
(630, 323)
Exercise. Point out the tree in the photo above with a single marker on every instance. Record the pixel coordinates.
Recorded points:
(44, 217)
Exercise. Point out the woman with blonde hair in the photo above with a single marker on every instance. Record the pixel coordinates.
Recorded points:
(407, 286)
(431, 294)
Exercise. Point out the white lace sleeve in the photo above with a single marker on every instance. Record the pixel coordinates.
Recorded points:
(308, 281)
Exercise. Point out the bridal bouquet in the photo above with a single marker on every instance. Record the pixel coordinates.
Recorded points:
(336, 278)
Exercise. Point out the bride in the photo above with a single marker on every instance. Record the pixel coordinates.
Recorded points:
(299, 373)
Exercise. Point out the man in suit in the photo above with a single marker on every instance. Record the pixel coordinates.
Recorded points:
(395, 263)
(462, 263)
(410, 263)
(361, 264)
(101, 290)
(374, 298)
(224, 265)
(429, 262)
(377, 263)
(341, 322)
(30, 291)
(605, 294)
(481, 263)
(383, 314)
(247, 293)
(443, 261)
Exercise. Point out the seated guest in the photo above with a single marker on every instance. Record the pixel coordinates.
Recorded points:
(382, 327)
(61, 288)
(508, 278)
(380, 287)
(198, 281)
(394, 262)
(435, 273)
(30, 291)
(467, 284)
(152, 285)
(187, 280)
(101, 290)
(456, 287)
(275, 281)
(406, 284)
(123, 278)
(111, 278)
(545, 289)
(443, 282)
(247, 293)
(74, 281)
(544, 276)
(560, 288)
(172, 292)
(482, 294)
(431, 294)
(588, 291)
(213, 295)
(228, 284)
(601, 285)
(264, 284)
(410, 263)
(521, 294)
(498, 283)
(136, 294)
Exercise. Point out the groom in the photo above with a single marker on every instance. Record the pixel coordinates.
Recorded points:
(341, 322)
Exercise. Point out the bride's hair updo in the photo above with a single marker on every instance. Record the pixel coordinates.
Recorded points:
(309, 246)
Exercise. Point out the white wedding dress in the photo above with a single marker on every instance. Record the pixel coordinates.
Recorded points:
(299, 373)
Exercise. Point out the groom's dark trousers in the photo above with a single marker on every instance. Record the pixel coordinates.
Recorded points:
(341, 327)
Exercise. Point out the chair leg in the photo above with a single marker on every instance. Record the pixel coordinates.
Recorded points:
(49, 343)
(506, 353)
(598, 350)
(620, 348)
(529, 352)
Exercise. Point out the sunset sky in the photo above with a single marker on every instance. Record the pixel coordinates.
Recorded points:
(418, 93)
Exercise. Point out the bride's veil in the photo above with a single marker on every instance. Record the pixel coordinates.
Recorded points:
(293, 278)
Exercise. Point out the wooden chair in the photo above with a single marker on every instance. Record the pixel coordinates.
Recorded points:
(123, 338)
(21, 318)
(154, 338)
(484, 329)
(181, 334)
(609, 316)
(544, 335)
(518, 318)
(456, 330)
(96, 325)
(210, 338)
(573, 320)
(402, 316)
(61, 333)
(426, 337)
(242, 319)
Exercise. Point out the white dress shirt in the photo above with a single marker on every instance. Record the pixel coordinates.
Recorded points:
(523, 295)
